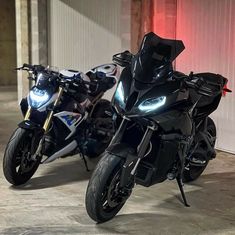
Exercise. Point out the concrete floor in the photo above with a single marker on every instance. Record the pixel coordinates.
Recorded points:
(53, 200)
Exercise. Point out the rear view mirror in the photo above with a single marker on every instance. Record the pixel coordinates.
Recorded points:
(123, 59)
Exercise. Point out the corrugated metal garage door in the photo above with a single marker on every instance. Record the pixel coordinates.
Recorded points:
(208, 31)
(84, 33)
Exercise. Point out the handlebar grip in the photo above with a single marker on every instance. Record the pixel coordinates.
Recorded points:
(27, 66)
(123, 59)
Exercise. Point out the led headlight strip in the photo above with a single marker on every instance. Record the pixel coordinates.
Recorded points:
(152, 104)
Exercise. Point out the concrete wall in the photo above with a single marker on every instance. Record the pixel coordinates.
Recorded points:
(207, 30)
(87, 33)
(84, 33)
(7, 43)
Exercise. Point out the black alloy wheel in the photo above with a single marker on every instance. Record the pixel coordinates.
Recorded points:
(18, 165)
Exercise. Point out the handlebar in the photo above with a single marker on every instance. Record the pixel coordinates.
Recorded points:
(123, 59)
(32, 68)
(75, 80)
(197, 83)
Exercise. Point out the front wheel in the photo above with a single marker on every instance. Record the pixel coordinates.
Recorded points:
(103, 197)
(18, 167)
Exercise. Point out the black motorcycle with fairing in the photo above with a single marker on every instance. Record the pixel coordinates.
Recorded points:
(165, 130)
(64, 114)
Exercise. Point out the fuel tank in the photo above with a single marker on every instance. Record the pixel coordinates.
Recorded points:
(164, 102)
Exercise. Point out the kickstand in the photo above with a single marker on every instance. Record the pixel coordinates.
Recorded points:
(180, 184)
(85, 161)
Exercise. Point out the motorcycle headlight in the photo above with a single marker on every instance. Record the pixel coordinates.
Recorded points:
(119, 95)
(152, 104)
(38, 97)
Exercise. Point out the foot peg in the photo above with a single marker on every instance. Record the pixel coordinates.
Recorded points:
(171, 175)
(194, 161)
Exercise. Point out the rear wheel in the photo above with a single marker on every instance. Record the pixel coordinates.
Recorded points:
(192, 172)
(103, 197)
(18, 166)
(104, 128)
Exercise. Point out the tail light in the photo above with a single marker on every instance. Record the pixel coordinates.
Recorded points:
(225, 90)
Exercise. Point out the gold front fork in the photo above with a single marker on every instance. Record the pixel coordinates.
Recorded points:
(50, 114)
(27, 115)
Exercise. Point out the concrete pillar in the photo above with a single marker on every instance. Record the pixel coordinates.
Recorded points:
(7, 43)
(158, 16)
(31, 34)
(141, 21)
(22, 45)
(135, 24)
(164, 18)
(126, 24)
(39, 40)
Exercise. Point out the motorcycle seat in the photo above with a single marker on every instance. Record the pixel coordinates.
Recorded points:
(105, 76)
(214, 81)
(69, 73)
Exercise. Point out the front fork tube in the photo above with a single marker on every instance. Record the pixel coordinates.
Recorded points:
(51, 112)
(28, 113)
(119, 133)
(46, 123)
(132, 162)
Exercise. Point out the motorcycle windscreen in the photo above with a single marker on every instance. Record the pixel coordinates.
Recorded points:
(154, 54)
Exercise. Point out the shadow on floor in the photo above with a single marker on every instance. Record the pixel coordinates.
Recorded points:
(59, 174)
(212, 210)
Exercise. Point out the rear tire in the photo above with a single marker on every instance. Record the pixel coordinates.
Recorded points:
(101, 107)
(98, 204)
(102, 110)
(191, 173)
(14, 166)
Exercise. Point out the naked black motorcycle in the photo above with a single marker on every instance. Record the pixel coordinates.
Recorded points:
(64, 115)
(164, 132)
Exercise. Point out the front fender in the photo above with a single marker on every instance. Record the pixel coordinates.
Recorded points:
(24, 106)
(129, 154)
(29, 125)
(121, 150)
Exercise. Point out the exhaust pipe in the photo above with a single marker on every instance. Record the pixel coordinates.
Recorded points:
(66, 150)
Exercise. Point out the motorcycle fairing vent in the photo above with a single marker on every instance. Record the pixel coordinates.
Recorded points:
(132, 100)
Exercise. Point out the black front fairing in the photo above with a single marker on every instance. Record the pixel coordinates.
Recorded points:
(153, 62)
(170, 116)
(161, 99)
(148, 77)
(135, 93)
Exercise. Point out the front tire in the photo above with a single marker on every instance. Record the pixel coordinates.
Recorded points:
(101, 204)
(17, 166)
